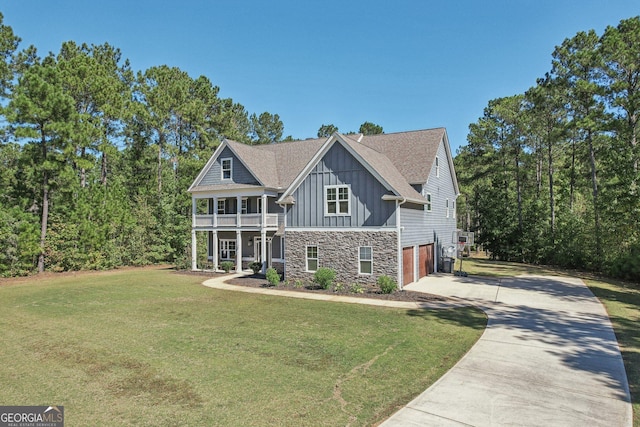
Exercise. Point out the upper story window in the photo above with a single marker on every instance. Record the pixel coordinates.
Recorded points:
(437, 167)
(453, 208)
(244, 207)
(447, 206)
(337, 200)
(227, 165)
(222, 205)
(427, 207)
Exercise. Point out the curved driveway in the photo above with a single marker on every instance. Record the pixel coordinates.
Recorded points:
(549, 357)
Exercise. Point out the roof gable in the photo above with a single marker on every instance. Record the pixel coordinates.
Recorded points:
(376, 163)
(225, 147)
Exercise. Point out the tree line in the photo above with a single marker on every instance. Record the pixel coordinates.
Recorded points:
(95, 158)
(551, 175)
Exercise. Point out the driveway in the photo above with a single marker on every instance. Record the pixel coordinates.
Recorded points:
(549, 357)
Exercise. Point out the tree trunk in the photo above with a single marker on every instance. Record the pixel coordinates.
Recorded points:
(45, 205)
(596, 207)
(160, 144)
(103, 169)
(572, 181)
(552, 205)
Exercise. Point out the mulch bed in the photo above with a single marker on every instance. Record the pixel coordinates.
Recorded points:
(259, 281)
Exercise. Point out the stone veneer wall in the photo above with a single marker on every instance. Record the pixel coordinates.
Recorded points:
(339, 250)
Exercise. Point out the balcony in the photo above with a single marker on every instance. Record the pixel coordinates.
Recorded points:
(231, 220)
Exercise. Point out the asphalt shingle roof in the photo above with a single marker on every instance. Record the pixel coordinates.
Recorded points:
(400, 159)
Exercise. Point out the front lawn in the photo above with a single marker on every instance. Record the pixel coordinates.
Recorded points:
(153, 348)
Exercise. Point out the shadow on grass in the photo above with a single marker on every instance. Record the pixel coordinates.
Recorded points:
(467, 317)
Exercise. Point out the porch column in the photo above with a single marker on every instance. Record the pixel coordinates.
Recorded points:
(215, 212)
(263, 248)
(194, 207)
(263, 219)
(194, 248)
(238, 251)
(214, 252)
(238, 211)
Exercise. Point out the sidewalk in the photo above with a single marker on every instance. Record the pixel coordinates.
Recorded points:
(549, 357)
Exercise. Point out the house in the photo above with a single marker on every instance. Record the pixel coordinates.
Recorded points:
(362, 205)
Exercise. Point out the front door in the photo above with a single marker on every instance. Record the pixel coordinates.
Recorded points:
(257, 250)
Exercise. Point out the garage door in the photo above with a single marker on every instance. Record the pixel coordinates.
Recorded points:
(426, 260)
(407, 265)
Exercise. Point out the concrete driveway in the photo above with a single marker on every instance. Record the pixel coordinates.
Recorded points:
(549, 357)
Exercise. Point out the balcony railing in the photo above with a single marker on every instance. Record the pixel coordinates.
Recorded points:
(231, 220)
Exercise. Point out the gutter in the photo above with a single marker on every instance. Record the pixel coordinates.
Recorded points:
(399, 202)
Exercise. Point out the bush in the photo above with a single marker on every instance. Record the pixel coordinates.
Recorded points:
(324, 277)
(387, 284)
(273, 277)
(356, 288)
(256, 266)
(227, 266)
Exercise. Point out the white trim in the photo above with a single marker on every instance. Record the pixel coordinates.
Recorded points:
(224, 246)
(210, 162)
(452, 169)
(306, 258)
(336, 137)
(361, 260)
(337, 201)
(222, 169)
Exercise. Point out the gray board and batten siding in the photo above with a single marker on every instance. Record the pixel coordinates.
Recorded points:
(239, 173)
(422, 226)
(339, 167)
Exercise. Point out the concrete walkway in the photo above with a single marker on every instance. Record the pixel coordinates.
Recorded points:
(548, 357)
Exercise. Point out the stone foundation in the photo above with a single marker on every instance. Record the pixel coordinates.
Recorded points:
(339, 250)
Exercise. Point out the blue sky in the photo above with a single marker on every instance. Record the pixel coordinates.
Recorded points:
(404, 65)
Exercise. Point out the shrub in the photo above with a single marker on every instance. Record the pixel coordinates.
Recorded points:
(227, 266)
(356, 288)
(338, 287)
(273, 277)
(324, 277)
(256, 266)
(298, 284)
(387, 284)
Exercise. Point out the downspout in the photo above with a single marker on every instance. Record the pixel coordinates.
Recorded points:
(399, 233)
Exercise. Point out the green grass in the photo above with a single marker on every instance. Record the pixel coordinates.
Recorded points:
(153, 348)
(621, 299)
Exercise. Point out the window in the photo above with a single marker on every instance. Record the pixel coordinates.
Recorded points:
(226, 168)
(337, 200)
(244, 208)
(447, 206)
(428, 205)
(312, 258)
(437, 167)
(222, 204)
(227, 249)
(453, 208)
(260, 205)
(365, 257)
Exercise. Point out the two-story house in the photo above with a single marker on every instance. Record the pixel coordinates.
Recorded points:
(362, 205)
